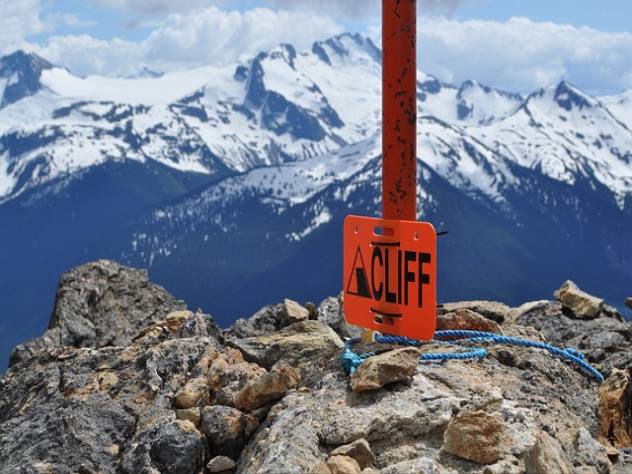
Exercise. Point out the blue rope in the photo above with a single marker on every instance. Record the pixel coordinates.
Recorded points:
(351, 361)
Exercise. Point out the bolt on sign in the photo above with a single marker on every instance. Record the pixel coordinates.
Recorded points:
(390, 264)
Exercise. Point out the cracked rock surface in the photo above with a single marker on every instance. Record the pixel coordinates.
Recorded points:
(127, 380)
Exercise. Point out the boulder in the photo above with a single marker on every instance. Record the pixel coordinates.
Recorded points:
(466, 319)
(268, 319)
(268, 387)
(227, 429)
(174, 447)
(101, 304)
(322, 468)
(475, 436)
(221, 465)
(292, 312)
(288, 442)
(490, 309)
(190, 414)
(307, 346)
(360, 450)
(380, 370)
(580, 303)
(628, 302)
(228, 374)
(343, 465)
(195, 392)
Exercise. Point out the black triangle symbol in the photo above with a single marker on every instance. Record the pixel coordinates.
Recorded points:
(359, 276)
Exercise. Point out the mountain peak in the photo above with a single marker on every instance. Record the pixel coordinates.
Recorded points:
(20, 74)
(568, 96)
(344, 45)
(285, 51)
(21, 59)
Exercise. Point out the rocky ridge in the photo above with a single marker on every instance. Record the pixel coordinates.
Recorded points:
(126, 379)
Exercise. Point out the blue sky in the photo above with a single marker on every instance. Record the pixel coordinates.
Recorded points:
(513, 44)
(605, 15)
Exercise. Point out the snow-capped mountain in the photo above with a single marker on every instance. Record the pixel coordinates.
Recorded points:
(279, 107)
(231, 182)
(20, 75)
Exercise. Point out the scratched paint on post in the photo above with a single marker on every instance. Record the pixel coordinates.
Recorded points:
(390, 276)
(399, 115)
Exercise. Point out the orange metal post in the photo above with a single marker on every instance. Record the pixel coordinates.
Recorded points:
(399, 114)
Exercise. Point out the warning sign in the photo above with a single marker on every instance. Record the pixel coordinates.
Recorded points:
(390, 276)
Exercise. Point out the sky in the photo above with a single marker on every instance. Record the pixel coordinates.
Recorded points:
(517, 45)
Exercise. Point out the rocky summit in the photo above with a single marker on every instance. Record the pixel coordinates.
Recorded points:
(128, 380)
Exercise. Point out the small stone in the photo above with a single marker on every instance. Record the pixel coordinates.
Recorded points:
(490, 309)
(189, 414)
(547, 457)
(380, 370)
(628, 302)
(322, 468)
(228, 374)
(269, 387)
(475, 436)
(360, 450)
(370, 470)
(227, 429)
(615, 399)
(343, 465)
(579, 302)
(193, 393)
(221, 464)
(466, 319)
(294, 312)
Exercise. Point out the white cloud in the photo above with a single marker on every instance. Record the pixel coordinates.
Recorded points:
(214, 36)
(365, 8)
(521, 54)
(344, 8)
(84, 54)
(201, 37)
(19, 19)
(153, 7)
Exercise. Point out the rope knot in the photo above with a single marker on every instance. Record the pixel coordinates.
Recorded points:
(349, 359)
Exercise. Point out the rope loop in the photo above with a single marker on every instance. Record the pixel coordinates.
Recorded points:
(351, 360)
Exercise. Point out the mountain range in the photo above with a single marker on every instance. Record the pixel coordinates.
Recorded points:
(231, 183)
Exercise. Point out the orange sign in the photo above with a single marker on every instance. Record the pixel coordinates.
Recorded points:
(390, 276)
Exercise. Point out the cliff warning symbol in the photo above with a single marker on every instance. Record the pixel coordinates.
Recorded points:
(358, 284)
(390, 269)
